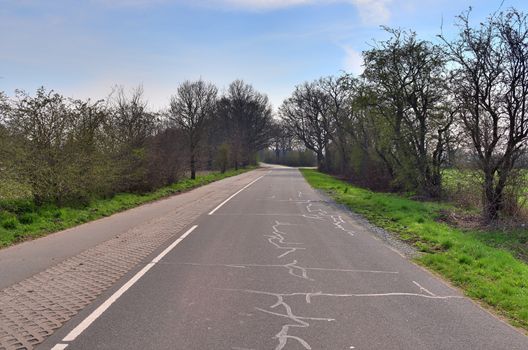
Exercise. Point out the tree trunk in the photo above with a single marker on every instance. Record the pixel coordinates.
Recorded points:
(320, 161)
(492, 199)
(344, 161)
(434, 184)
(193, 167)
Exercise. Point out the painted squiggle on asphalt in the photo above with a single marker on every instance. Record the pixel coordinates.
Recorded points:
(297, 321)
(293, 268)
(318, 213)
(278, 240)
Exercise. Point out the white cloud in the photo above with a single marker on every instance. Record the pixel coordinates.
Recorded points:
(353, 62)
(370, 11)
(262, 4)
(373, 11)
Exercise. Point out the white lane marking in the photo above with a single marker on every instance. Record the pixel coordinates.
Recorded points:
(59, 347)
(104, 306)
(231, 197)
(174, 244)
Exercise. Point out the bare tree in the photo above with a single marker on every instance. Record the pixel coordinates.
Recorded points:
(130, 126)
(248, 119)
(131, 123)
(490, 82)
(338, 92)
(281, 141)
(190, 109)
(307, 114)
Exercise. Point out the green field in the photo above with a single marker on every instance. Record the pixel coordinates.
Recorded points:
(20, 219)
(487, 265)
(464, 186)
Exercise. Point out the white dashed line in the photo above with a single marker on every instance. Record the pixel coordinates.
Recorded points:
(231, 197)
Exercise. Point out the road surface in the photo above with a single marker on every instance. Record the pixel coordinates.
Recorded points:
(277, 266)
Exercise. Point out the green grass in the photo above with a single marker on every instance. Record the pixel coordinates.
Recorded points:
(20, 219)
(515, 240)
(471, 260)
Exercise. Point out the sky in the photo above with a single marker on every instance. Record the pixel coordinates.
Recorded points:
(82, 48)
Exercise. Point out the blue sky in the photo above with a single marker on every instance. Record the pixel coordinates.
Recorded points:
(81, 48)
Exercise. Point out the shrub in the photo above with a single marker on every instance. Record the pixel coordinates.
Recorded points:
(27, 218)
(10, 224)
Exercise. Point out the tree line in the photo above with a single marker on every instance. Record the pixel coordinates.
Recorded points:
(422, 106)
(69, 151)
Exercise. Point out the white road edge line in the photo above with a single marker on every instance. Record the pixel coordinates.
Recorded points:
(59, 347)
(81, 327)
(231, 197)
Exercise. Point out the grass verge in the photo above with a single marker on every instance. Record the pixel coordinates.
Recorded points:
(25, 221)
(472, 260)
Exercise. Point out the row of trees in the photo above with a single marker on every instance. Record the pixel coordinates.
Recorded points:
(420, 106)
(285, 149)
(68, 151)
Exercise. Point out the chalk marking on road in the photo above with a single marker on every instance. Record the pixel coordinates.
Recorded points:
(59, 347)
(238, 266)
(301, 321)
(391, 248)
(353, 270)
(296, 321)
(422, 289)
(278, 236)
(338, 222)
(81, 327)
(310, 210)
(293, 268)
(233, 195)
(321, 214)
(312, 217)
(285, 200)
(271, 214)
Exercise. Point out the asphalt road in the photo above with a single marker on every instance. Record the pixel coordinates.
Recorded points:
(26, 259)
(279, 267)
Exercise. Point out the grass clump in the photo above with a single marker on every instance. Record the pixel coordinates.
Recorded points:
(20, 219)
(484, 264)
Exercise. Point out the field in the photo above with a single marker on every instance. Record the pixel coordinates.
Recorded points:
(20, 219)
(487, 265)
(463, 187)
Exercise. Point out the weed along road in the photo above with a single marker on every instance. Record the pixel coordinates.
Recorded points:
(274, 265)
